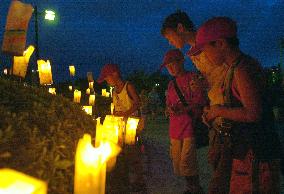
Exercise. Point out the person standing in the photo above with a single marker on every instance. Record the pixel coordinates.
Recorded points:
(180, 31)
(182, 105)
(245, 138)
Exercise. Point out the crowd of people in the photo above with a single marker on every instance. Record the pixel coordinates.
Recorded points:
(244, 150)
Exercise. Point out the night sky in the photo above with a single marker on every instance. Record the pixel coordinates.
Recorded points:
(89, 34)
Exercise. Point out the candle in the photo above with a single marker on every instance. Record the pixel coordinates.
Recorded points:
(91, 85)
(44, 69)
(88, 109)
(88, 91)
(72, 70)
(90, 165)
(130, 132)
(77, 96)
(52, 90)
(70, 88)
(92, 99)
(13, 182)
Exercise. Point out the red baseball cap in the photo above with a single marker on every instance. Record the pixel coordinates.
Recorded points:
(107, 70)
(214, 29)
(171, 56)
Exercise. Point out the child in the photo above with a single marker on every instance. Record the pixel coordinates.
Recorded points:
(126, 103)
(125, 98)
(181, 109)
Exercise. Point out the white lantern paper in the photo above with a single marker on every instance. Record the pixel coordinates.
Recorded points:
(130, 131)
(45, 74)
(77, 96)
(14, 182)
(92, 99)
(90, 165)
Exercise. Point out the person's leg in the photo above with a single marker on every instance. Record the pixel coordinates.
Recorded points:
(175, 153)
(189, 166)
(220, 180)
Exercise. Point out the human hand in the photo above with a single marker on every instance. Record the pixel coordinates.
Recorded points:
(211, 112)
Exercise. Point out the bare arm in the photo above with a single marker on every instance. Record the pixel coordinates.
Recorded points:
(251, 101)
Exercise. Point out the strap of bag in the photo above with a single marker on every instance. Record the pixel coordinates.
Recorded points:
(179, 93)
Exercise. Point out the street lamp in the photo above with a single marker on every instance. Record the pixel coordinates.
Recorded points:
(49, 15)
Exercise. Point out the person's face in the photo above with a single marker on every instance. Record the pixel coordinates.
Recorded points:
(175, 68)
(111, 79)
(215, 52)
(174, 38)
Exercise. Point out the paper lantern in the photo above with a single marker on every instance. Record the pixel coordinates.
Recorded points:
(111, 91)
(88, 91)
(72, 70)
(44, 69)
(13, 182)
(130, 131)
(90, 165)
(77, 96)
(111, 108)
(20, 64)
(92, 99)
(70, 88)
(91, 85)
(52, 90)
(88, 109)
(104, 92)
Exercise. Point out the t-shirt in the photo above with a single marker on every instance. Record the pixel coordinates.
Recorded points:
(181, 125)
(214, 75)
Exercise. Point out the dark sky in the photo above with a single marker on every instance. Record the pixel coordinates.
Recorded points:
(89, 34)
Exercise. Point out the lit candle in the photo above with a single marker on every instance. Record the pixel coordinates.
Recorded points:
(90, 165)
(44, 69)
(77, 96)
(13, 182)
(130, 132)
(91, 85)
(72, 70)
(88, 109)
(92, 99)
(88, 91)
(52, 90)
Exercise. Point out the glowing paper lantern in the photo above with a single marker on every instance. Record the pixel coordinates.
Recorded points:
(88, 109)
(130, 131)
(52, 90)
(20, 64)
(117, 123)
(72, 70)
(92, 99)
(111, 108)
(104, 92)
(90, 165)
(13, 182)
(44, 69)
(77, 96)
(88, 91)
(91, 85)
(70, 88)
(111, 90)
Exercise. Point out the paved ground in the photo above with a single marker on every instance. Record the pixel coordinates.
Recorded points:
(158, 170)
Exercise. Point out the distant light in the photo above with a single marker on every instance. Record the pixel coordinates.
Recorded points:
(33, 70)
(6, 71)
(157, 85)
(49, 15)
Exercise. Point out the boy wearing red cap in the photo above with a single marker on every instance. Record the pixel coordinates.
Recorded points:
(126, 103)
(125, 98)
(245, 140)
(183, 103)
